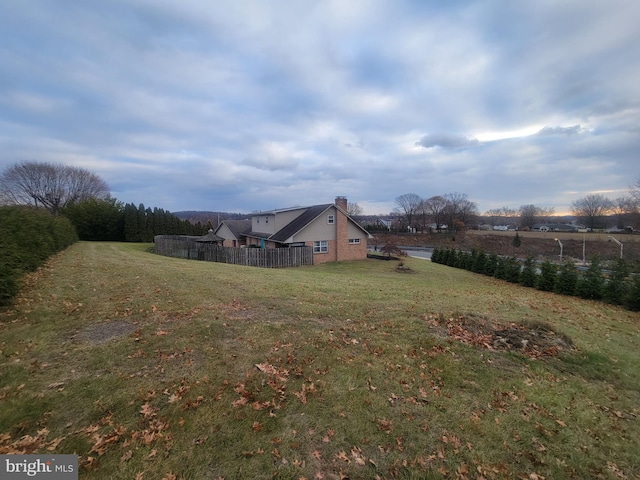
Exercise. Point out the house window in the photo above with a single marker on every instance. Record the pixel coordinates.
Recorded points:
(257, 219)
(266, 219)
(320, 246)
(354, 240)
(331, 219)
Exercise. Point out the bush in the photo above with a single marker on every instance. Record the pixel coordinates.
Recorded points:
(508, 269)
(517, 241)
(591, 283)
(452, 257)
(490, 265)
(616, 288)
(567, 279)
(479, 262)
(528, 276)
(28, 236)
(632, 298)
(8, 285)
(463, 260)
(548, 277)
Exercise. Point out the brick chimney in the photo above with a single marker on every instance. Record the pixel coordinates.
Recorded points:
(341, 229)
(342, 203)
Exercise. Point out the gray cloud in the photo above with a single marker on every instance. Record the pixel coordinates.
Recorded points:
(446, 141)
(572, 130)
(238, 105)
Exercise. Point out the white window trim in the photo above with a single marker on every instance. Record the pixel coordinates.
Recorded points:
(354, 240)
(331, 219)
(320, 246)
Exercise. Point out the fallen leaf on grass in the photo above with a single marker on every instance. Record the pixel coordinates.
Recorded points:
(126, 457)
(616, 470)
(53, 444)
(370, 385)
(342, 456)
(147, 410)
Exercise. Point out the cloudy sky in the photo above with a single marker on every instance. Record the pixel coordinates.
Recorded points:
(242, 105)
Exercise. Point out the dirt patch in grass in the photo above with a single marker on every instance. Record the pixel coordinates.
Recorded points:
(402, 268)
(105, 331)
(535, 339)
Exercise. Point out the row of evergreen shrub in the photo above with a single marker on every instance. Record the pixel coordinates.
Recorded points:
(28, 236)
(111, 220)
(617, 287)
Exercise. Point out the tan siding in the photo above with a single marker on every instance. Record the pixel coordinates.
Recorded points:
(228, 236)
(319, 229)
(258, 224)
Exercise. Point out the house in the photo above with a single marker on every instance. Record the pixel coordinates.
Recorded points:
(234, 232)
(328, 228)
(554, 227)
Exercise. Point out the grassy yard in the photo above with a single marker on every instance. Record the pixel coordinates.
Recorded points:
(157, 368)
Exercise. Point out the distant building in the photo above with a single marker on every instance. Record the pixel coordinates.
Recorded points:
(555, 227)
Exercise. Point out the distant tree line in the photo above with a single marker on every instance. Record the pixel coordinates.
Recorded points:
(111, 220)
(524, 217)
(83, 197)
(593, 211)
(453, 211)
(619, 286)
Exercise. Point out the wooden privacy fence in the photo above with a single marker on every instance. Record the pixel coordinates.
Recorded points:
(180, 246)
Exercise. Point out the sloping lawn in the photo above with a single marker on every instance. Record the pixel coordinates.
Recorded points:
(150, 367)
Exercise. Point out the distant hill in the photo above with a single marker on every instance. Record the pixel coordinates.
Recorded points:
(204, 217)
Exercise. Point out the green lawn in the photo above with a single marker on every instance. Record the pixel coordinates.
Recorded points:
(157, 368)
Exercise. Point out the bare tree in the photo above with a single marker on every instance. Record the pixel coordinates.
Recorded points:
(459, 210)
(435, 207)
(532, 214)
(409, 205)
(624, 209)
(49, 185)
(634, 190)
(502, 215)
(592, 209)
(354, 210)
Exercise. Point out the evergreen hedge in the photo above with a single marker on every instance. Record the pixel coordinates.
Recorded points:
(567, 279)
(618, 286)
(528, 275)
(591, 283)
(28, 236)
